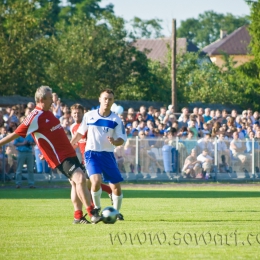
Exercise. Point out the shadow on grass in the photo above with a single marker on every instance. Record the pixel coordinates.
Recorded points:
(170, 194)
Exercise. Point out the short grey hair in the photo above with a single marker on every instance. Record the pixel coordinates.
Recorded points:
(41, 93)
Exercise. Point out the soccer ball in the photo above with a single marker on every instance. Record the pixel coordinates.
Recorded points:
(109, 215)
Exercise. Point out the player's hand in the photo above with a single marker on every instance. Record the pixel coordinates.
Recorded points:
(111, 140)
(41, 157)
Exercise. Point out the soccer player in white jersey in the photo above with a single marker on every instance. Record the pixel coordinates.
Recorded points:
(105, 131)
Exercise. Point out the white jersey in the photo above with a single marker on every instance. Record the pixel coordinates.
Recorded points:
(99, 128)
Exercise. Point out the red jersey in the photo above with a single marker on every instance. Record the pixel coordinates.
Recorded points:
(48, 135)
(82, 142)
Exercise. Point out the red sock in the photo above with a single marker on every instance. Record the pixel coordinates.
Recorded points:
(78, 214)
(89, 210)
(106, 188)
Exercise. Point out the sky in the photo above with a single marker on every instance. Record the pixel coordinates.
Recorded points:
(166, 10)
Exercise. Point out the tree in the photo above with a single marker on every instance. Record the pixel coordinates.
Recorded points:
(145, 28)
(206, 28)
(254, 31)
(25, 49)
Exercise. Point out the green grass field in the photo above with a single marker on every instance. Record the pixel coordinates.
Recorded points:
(163, 222)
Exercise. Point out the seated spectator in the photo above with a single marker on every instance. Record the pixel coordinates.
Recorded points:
(141, 126)
(241, 132)
(233, 114)
(169, 119)
(206, 162)
(11, 159)
(66, 115)
(176, 125)
(238, 121)
(130, 111)
(201, 111)
(150, 112)
(205, 130)
(195, 111)
(212, 114)
(215, 129)
(191, 167)
(193, 128)
(129, 118)
(185, 112)
(184, 121)
(144, 114)
(2, 121)
(162, 114)
(224, 116)
(206, 115)
(3, 132)
(250, 114)
(199, 123)
(218, 116)
(255, 117)
(30, 107)
(183, 132)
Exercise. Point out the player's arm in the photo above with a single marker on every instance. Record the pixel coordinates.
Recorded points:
(75, 139)
(8, 138)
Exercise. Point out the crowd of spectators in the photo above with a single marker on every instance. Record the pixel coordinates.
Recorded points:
(195, 129)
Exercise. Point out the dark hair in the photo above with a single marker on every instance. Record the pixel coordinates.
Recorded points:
(107, 90)
(77, 106)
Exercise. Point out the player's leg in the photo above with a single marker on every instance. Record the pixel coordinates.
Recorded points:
(77, 205)
(112, 175)
(96, 190)
(81, 187)
(107, 189)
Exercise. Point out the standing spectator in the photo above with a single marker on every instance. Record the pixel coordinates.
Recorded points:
(56, 105)
(190, 142)
(223, 153)
(238, 148)
(24, 146)
(13, 116)
(206, 143)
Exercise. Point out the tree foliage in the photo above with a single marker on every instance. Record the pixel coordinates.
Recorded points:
(81, 48)
(254, 31)
(206, 28)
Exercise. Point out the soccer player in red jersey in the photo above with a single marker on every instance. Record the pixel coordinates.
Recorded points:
(77, 112)
(55, 147)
